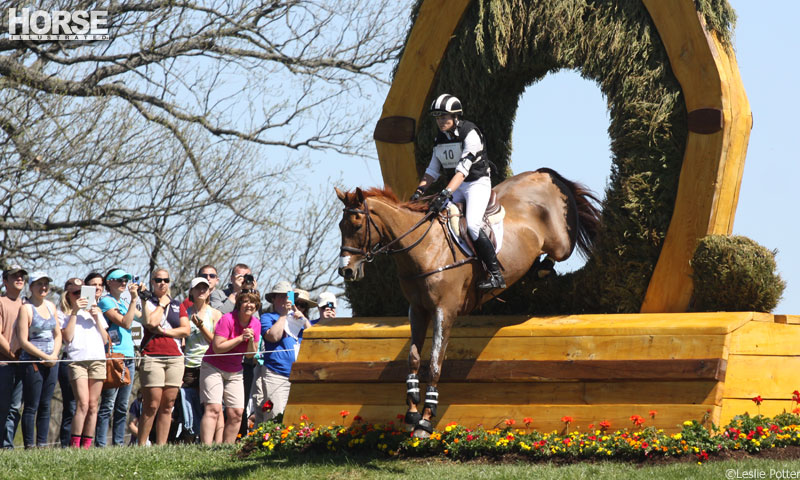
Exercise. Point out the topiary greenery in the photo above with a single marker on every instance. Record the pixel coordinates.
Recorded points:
(501, 48)
(734, 273)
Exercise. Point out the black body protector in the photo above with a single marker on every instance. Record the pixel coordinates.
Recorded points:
(447, 148)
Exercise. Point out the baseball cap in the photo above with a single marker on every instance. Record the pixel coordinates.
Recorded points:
(118, 274)
(198, 280)
(325, 298)
(13, 270)
(38, 275)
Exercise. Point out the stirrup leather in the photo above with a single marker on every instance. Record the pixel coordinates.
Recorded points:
(412, 388)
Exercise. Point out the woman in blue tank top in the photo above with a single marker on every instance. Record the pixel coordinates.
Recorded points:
(40, 338)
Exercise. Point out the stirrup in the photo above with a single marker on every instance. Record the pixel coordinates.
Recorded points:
(412, 418)
(424, 425)
(495, 280)
(412, 388)
(431, 400)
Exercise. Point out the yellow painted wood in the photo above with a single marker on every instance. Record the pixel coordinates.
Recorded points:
(711, 172)
(769, 376)
(788, 319)
(770, 408)
(706, 323)
(430, 35)
(631, 347)
(545, 417)
(577, 393)
(758, 338)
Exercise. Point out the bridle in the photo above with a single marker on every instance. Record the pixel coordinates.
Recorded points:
(368, 253)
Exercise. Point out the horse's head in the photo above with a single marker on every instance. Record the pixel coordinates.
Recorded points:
(359, 235)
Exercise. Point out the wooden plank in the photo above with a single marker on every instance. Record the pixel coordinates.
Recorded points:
(770, 377)
(788, 319)
(770, 408)
(758, 338)
(546, 418)
(705, 323)
(639, 347)
(515, 371)
(413, 80)
(577, 393)
(712, 164)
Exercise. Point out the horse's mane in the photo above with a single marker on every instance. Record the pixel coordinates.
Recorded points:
(387, 194)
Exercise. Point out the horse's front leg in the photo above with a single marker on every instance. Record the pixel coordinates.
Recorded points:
(442, 322)
(418, 319)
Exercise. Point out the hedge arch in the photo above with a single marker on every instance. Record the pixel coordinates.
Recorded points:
(679, 128)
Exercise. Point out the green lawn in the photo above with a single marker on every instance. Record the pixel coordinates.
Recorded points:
(194, 462)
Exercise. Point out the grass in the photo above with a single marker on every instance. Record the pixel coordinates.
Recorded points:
(194, 462)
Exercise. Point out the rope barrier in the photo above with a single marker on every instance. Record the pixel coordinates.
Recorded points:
(64, 360)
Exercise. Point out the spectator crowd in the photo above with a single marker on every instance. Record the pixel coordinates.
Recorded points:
(209, 366)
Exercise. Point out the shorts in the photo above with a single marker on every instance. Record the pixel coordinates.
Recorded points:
(268, 385)
(91, 369)
(161, 372)
(221, 387)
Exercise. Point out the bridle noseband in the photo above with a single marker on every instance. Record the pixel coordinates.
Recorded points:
(368, 253)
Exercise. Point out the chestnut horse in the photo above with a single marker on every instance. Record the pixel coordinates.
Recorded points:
(545, 213)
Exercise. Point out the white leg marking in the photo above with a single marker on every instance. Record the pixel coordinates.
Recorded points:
(437, 342)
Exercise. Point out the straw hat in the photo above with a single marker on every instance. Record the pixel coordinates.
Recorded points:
(303, 296)
(281, 287)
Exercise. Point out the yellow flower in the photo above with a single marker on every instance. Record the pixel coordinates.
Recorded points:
(448, 428)
(415, 444)
(688, 423)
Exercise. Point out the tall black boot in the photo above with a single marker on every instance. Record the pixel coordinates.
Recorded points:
(485, 251)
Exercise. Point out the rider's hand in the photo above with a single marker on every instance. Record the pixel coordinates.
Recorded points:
(417, 193)
(438, 203)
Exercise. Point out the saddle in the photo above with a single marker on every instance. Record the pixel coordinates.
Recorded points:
(457, 220)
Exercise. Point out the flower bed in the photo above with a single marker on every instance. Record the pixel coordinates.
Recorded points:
(744, 433)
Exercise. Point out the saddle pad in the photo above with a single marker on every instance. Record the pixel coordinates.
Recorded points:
(455, 216)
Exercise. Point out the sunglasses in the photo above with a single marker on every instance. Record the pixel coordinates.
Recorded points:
(77, 293)
(161, 280)
(208, 276)
(120, 280)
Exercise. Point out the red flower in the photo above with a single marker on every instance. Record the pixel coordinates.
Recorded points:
(567, 441)
(796, 396)
(400, 416)
(702, 456)
(267, 407)
(510, 421)
(304, 418)
(590, 426)
(758, 400)
(470, 437)
(527, 421)
(652, 413)
(637, 420)
(605, 425)
(796, 411)
(344, 413)
(566, 419)
(357, 418)
(645, 445)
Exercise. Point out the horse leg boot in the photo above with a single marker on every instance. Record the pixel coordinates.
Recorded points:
(412, 398)
(485, 251)
(431, 402)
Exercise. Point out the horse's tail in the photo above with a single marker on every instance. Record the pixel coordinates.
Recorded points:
(583, 217)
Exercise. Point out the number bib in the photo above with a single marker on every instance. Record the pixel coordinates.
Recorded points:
(448, 154)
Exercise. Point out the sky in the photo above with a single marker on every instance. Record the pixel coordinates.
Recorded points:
(562, 123)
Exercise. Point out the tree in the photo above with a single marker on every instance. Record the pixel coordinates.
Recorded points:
(177, 141)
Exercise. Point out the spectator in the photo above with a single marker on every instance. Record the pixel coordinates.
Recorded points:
(83, 329)
(119, 315)
(202, 320)
(40, 338)
(221, 376)
(11, 391)
(240, 273)
(327, 306)
(135, 413)
(303, 301)
(162, 366)
(217, 297)
(282, 336)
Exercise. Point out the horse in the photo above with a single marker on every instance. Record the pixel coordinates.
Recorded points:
(545, 213)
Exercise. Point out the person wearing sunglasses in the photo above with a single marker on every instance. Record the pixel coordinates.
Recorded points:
(216, 296)
(83, 329)
(40, 338)
(459, 150)
(119, 314)
(162, 366)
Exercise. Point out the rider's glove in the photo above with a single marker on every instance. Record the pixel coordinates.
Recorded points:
(417, 193)
(438, 203)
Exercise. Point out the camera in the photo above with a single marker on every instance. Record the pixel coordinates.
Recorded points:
(249, 281)
(147, 295)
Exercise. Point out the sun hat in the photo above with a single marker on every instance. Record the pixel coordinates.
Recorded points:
(13, 270)
(281, 287)
(303, 296)
(38, 275)
(119, 274)
(198, 280)
(325, 298)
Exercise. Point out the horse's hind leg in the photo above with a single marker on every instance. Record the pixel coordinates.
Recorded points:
(441, 334)
(418, 319)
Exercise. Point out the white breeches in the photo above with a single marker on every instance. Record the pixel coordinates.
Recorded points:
(476, 196)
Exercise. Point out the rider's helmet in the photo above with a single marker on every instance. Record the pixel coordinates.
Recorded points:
(444, 104)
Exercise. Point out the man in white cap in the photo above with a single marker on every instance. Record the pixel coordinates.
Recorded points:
(327, 305)
(11, 392)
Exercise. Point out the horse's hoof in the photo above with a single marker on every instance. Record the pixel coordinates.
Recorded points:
(421, 434)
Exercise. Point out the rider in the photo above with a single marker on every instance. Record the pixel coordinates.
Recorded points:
(460, 150)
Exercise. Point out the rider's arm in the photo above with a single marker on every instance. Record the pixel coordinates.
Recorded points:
(470, 147)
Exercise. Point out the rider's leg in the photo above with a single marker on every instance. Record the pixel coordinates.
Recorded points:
(477, 196)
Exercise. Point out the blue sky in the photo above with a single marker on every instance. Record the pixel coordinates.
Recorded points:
(562, 121)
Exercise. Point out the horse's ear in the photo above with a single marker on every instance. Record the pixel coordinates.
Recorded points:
(342, 196)
(359, 195)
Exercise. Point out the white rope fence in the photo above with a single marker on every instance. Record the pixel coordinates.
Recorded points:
(65, 360)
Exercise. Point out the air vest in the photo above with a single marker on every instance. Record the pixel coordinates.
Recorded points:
(448, 151)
